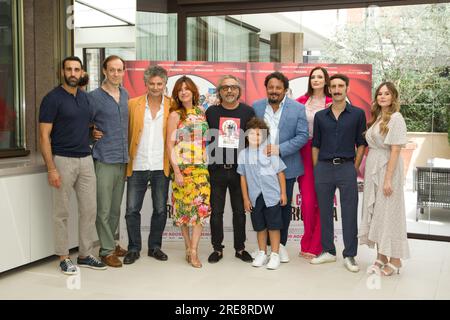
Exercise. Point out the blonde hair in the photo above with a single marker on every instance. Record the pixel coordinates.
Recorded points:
(376, 108)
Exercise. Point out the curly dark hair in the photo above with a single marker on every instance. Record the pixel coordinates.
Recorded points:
(277, 75)
(257, 123)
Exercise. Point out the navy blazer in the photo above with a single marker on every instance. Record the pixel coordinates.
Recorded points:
(293, 134)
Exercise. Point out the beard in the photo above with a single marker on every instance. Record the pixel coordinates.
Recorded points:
(230, 99)
(274, 100)
(72, 81)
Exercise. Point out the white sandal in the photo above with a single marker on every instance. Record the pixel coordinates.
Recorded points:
(395, 270)
(375, 267)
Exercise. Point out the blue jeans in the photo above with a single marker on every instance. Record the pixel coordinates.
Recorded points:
(136, 188)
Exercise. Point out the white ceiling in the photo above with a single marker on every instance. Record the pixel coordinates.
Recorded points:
(88, 17)
(317, 26)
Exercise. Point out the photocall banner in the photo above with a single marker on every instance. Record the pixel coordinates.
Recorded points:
(251, 75)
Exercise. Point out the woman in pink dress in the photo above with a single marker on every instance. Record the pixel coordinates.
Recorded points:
(316, 98)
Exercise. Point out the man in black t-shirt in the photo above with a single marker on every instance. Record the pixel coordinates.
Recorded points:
(227, 122)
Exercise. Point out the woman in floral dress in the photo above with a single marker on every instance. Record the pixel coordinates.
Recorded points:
(186, 137)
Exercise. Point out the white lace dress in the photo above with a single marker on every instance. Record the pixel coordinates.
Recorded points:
(383, 218)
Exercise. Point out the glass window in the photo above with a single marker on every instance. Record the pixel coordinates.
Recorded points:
(10, 115)
(225, 38)
(156, 36)
(415, 56)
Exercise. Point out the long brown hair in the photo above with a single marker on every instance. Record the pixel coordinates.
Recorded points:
(376, 108)
(176, 104)
(310, 91)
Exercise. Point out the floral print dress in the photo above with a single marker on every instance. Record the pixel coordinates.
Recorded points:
(191, 201)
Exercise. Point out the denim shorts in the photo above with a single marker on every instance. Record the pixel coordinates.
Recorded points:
(266, 217)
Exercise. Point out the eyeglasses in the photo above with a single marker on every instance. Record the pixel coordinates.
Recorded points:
(226, 88)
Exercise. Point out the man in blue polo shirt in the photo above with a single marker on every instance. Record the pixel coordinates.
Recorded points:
(337, 131)
(64, 119)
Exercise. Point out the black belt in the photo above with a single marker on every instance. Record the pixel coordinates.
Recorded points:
(336, 161)
(223, 166)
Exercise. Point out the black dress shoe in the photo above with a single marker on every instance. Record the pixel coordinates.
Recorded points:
(131, 257)
(157, 254)
(215, 256)
(244, 256)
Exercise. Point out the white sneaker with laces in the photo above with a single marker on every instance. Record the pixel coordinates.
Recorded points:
(284, 256)
(260, 259)
(274, 262)
(255, 252)
(351, 264)
(324, 257)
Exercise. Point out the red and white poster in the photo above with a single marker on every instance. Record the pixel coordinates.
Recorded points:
(251, 76)
(229, 129)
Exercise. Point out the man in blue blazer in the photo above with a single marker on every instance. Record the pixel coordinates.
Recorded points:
(288, 127)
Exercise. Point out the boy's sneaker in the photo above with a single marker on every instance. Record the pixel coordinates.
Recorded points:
(67, 267)
(255, 252)
(260, 259)
(324, 257)
(274, 262)
(284, 256)
(91, 262)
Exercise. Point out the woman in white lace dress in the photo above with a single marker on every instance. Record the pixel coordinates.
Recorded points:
(383, 216)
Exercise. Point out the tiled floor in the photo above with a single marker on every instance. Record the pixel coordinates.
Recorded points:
(425, 276)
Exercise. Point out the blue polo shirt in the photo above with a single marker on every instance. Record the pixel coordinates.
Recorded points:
(70, 116)
(261, 173)
(111, 118)
(338, 138)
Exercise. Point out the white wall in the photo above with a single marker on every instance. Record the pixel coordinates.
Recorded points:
(26, 226)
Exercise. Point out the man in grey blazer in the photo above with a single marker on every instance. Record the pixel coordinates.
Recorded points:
(288, 127)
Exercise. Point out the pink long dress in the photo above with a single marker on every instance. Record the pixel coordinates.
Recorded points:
(311, 238)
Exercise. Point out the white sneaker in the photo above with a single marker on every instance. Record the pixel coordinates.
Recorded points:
(260, 259)
(284, 256)
(351, 264)
(255, 252)
(274, 262)
(324, 257)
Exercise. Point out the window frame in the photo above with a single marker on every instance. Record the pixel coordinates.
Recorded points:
(17, 25)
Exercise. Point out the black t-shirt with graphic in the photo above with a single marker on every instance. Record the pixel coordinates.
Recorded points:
(227, 132)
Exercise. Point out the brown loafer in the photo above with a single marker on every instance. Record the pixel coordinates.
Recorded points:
(120, 252)
(112, 261)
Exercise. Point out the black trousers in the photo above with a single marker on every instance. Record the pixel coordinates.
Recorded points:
(222, 179)
(328, 177)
